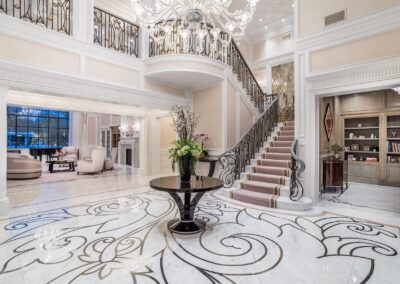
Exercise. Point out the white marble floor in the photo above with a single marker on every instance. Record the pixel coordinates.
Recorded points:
(111, 229)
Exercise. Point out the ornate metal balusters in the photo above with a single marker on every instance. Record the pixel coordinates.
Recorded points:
(116, 33)
(298, 166)
(235, 160)
(52, 14)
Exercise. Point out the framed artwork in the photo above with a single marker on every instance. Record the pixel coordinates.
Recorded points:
(328, 122)
(355, 147)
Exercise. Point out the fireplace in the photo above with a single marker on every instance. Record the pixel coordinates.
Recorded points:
(128, 157)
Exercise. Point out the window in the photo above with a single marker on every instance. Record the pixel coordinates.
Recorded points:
(36, 128)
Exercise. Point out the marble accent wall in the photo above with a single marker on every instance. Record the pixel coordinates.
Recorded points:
(283, 86)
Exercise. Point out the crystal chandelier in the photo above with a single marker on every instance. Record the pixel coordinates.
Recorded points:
(195, 16)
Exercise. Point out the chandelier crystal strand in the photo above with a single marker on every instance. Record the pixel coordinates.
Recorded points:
(199, 20)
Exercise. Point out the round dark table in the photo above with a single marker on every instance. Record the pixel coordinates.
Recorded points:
(198, 185)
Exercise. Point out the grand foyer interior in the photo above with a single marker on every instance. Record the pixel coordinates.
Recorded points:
(263, 103)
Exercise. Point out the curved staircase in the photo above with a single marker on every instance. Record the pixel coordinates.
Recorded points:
(266, 180)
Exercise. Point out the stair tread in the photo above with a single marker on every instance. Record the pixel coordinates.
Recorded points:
(268, 167)
(261, 183)
(267, 175)
(254, 193)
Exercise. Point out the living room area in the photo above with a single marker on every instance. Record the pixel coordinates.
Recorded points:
(47, 145)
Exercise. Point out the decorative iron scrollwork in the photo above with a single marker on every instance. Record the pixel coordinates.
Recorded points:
(167, 38)
(52, 14)
(115, 33)
(235, 160)
(298, 166)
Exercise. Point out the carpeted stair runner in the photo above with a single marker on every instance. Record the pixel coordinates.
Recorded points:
(264, 181)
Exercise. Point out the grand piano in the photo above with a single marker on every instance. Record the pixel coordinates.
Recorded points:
(39, 152)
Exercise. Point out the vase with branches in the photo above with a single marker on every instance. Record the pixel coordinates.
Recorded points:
(186, 151)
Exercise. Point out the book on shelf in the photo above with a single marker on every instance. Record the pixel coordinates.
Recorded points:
(393, 159)
(393, 147)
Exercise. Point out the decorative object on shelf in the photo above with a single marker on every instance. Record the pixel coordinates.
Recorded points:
(347, 148)
(366, 148)
(201, 138)
(186, 151)
(355, 147)
(373, 136)
(350, 157)
(159, 16)
(394, 133)
(337, 149)
(375, 148)
(351, 135)
(360, 125)
(328, 122)
(361, 137)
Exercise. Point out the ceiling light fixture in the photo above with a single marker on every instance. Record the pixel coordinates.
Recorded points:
(260, 20)
(283, 20)
(194, 16)
(266, 27)
(292, 5)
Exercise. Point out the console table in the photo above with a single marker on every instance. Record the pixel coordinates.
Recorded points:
(198, 185)
(335, 174)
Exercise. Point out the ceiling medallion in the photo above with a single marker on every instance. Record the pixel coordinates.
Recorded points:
(194, 17)
(328, 122)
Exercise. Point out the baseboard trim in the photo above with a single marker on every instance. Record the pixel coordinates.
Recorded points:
(4, 206)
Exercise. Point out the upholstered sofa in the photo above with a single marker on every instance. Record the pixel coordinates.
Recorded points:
(22, 167)
(95, 165)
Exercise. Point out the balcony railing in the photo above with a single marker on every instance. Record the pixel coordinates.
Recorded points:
(115, 33)
(52, 14)
(173, 38)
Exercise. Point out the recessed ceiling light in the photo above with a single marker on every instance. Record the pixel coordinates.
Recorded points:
(260, 20)
(292, 5)
(266, 27)
(283, 20)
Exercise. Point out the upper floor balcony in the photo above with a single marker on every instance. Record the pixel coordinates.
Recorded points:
(85, 22)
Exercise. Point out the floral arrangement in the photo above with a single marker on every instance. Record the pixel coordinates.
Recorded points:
(186, 151)
(201, 138)
(182, 148)
(336, 148)
(184, 122)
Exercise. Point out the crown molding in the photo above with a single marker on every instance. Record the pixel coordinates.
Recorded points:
(275, 59)
(26, 78)
(375, 23)
(365, 76)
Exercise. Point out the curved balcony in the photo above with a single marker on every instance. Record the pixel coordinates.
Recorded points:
(181, 55)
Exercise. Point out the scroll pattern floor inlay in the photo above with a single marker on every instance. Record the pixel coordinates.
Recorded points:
(124, 240)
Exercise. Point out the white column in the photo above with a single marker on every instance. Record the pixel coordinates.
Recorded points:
(82, 20)
(268, 78)
(4, 202)
(143, 146)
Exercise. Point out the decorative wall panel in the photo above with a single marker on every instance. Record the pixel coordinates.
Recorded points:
(283, 86)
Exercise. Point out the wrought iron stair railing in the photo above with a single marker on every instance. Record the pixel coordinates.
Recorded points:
(115, 33)
(168, 40)
(235, 160)
(52, 14)
(297, 167)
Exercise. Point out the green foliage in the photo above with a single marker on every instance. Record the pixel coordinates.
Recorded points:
(182, 148)
(336, 148)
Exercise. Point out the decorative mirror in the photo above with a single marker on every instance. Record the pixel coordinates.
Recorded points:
(328, 122)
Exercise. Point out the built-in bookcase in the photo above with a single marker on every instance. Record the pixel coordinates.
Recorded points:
(393, 139)
(361, 139)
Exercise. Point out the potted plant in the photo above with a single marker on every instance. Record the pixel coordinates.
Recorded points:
(186, 151)
(337, 149)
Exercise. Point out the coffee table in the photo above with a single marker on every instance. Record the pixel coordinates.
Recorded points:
(71, 165)
(198, 185)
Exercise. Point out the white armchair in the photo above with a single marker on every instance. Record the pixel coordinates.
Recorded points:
(109, 162)
(93, 166)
